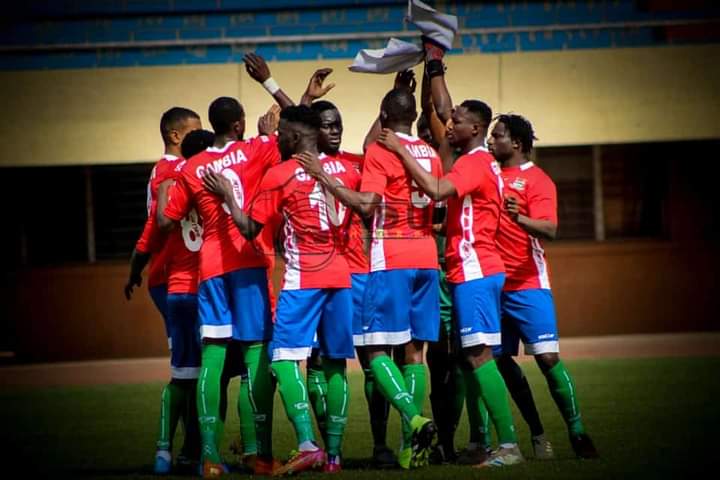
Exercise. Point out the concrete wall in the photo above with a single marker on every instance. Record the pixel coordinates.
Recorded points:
(73, 313)
(111, 115)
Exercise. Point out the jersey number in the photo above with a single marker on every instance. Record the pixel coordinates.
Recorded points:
(418, 197)
(192, 231)
(238, 191)
(327, 207)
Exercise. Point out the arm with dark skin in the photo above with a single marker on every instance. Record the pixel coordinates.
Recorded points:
(441, 98)
(544, 229)
(437, 188)
(138, 261)
(362, 202)
(404, 79)
(315, 88)
(164, 223)
(222, 187)
(437, 127)
(258, 69)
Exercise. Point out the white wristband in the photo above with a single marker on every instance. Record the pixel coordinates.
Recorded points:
(271, 86)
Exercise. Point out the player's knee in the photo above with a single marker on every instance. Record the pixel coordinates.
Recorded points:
(478, 355)
(546, 361)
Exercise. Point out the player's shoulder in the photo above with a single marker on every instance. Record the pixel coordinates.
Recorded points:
(537, 175)
(353, 158)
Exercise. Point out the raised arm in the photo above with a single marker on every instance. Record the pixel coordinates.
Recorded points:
(404, 79)
(258, 69)
(315, 88)
(221, 186)
(437, 188)
(435, 71)
(362, 202)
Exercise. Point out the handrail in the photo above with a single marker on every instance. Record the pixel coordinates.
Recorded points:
(339, 37)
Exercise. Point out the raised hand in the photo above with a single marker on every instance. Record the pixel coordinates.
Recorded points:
(406, 80)
(389, 140)
(315, 88)
(256, 67)
(310, 163)
(217, 184)
(268, 123)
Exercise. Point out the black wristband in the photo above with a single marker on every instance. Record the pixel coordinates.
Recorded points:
(435, 68)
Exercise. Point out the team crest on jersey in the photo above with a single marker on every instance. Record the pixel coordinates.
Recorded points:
(518, 184)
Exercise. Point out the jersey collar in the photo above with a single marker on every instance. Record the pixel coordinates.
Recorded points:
(221, 149)
(481, 148)
(170, 158)
(405, 136)
(526, 165)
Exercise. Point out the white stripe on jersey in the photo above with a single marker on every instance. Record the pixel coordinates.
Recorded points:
(538, 255)
(377, 246)
(470, 263)
(292, 258)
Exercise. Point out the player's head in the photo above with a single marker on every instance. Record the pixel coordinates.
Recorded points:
(424, 132)
(511, 135)
(227, 117)
(398, 108)
(196, 141)
(298, 130)
(176, 123)
(469, 120)
(331, 126)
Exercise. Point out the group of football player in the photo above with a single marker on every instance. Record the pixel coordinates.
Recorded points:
(385, 258)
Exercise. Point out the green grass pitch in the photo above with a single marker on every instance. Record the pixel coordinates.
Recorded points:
(650, 418)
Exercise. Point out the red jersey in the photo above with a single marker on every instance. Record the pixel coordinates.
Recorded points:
(473, 217)
(224, 249)
(312, 219)
(522, 253)
(353, 238)
(163, 170)
(402, 225)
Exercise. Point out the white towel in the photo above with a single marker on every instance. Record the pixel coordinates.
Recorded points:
(438, 26)
(395, 57)
(399, 55)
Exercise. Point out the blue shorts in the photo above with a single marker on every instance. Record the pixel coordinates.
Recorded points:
(401, 305)
(184, 335)
(529, 315)
(235, 305)
(359, 280)
(158, 294)
(302, 316)
(477, 310)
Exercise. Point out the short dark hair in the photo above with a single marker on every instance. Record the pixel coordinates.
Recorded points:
(399, 105)
(322, 106)
(520, 129)
(172, 119)
(303, 115)
(223, 112)
(481, 110)
(195, 142)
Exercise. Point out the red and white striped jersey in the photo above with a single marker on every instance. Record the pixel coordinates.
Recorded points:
(525, 263)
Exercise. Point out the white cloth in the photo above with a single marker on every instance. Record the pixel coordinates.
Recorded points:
(395, 57)
(399, 55)
(438, 26)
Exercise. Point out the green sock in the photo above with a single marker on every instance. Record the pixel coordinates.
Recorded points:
(317, 387)
(562, 389)
(247, 418)
(378, 408)
(260, 395)
(478, 416)
(415, 377)
(294, 397)
(392, 385)
(338, 400)
(172, 400)
(494, 394)
(208, 400)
